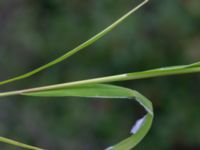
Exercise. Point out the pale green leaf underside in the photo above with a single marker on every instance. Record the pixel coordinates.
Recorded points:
(108, 91)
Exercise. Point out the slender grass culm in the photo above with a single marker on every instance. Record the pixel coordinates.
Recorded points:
(99, 88)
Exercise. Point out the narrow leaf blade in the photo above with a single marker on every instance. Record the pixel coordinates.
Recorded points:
(19, 144)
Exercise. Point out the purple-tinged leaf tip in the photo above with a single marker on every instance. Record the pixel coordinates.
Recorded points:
(109, 148)
(138, 125)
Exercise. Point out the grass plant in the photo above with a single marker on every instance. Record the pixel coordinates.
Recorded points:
(101, 88)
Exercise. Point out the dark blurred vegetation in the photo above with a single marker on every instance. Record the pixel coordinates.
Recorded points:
(163, 33)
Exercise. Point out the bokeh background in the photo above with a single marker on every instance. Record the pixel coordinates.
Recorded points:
(163, 33)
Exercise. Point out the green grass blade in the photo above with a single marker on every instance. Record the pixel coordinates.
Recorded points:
(22, 145)
(166, 71)
(77, 49)
(109, 91)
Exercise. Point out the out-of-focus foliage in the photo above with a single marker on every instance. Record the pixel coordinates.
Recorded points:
(160, 34)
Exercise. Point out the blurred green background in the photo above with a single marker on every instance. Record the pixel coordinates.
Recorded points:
(163, 33)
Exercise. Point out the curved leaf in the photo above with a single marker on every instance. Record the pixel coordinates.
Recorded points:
(141, 127)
